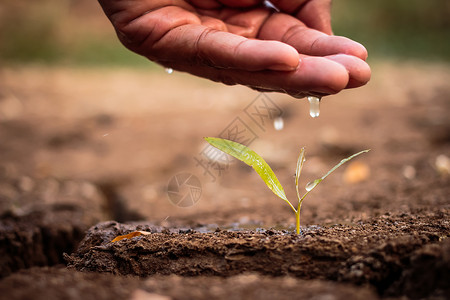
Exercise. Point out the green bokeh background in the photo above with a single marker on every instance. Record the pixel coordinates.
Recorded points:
(399, 29)
(75, 32)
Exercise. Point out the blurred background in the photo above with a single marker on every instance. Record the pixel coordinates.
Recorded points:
(86, 122)
(76, 31)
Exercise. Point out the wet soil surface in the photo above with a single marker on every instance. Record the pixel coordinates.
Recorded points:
(392, 256)
(87, 155)
(397, 255)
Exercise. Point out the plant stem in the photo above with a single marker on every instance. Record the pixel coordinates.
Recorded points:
(297, 212)
(290, 204)
(297, 216)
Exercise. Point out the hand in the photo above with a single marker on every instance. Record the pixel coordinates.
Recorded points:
(243, 42)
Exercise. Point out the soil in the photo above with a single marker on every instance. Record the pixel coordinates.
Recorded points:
(87, 155)
(397, 255)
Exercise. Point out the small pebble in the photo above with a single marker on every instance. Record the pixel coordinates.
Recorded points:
(409, 172)
(442, 165)
(356, 172)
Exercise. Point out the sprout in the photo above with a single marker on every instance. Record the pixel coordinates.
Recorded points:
(252, 159)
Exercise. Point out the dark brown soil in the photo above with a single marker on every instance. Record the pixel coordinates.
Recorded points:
(39, 237)
(397, 255)
(79, 148)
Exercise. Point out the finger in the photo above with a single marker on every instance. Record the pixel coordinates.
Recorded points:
(240, 3)
(241, 22)
(287, 29)
(315, 75)
(172, 34)
(250, 20)
(359, 70)
(314, 13)
(200, 45)
(213, 23)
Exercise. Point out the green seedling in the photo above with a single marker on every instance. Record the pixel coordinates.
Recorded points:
(252, 159)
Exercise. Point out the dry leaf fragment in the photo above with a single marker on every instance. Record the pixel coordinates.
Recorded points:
(130, 235)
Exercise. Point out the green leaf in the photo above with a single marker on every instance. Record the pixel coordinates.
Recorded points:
(311, 185)
(251, 158)
(300, 161)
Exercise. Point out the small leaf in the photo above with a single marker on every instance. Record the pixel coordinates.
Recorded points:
(311, 185)
(130, 235)
(251, 158)
(300, 161)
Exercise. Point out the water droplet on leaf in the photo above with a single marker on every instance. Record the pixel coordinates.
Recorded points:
(310, 186)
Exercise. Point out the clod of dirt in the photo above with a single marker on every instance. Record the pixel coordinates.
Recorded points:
(429, 271)
(39, 238)
(377, 252)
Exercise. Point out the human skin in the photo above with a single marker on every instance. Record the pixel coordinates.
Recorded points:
(244, 42)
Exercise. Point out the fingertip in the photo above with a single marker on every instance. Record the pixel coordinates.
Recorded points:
(336, 81)
(358, 50)
(330, 45)
(322, 75)
(351, 47)
(364, 75)
(282, 57)
(359, 71)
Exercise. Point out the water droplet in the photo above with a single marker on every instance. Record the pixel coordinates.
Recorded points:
(278, 123)
(314, 106)
(169, 70)
(310, 186)
(270, 5)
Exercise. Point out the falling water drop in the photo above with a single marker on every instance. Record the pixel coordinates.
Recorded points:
(270, 5)
(169, 70)
(310, 186)
(314, 106)
(278, 123)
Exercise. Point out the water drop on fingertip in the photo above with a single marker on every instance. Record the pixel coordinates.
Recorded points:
(314, 106)
(278, 123)
(168, 70)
